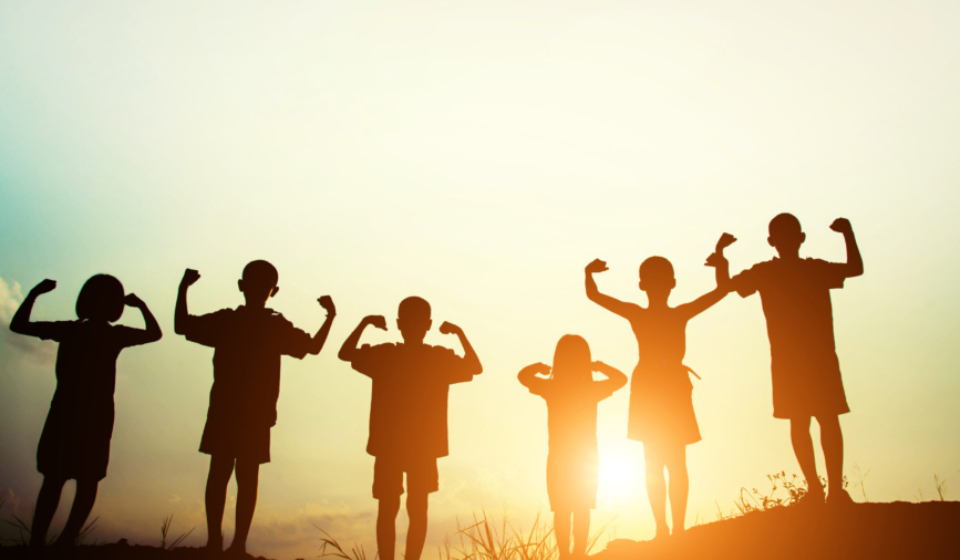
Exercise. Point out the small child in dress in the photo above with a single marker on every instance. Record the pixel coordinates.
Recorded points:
(248, 343)
(661, 405)
(75, 442)
(572, 463)
(795, 293)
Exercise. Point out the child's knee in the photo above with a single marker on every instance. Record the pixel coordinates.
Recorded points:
(389, 505)
(418, 502)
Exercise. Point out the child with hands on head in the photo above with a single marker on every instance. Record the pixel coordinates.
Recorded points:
(75, 442)
(248, 342)
(572, 462)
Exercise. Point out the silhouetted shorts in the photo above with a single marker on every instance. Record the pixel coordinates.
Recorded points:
(236, 442)
(422, 476)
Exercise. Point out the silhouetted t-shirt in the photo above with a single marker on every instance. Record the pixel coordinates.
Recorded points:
(572, 412)
(246, 362)
(408, 409)
(796, 303)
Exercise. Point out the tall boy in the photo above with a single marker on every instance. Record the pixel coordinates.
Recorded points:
(248, 342)
(795, 293)
(408, 415)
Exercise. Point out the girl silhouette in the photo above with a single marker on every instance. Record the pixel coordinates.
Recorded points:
(75, 442)
(572, 463)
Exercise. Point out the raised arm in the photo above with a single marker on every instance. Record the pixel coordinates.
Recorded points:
(593, 293)
(854, 260)
(472, 361)
(615, 378)
(349, 349)
(719, 262)
(20, 323)
(326, 302)
(528, 375)
(152, 333)
(180, 314)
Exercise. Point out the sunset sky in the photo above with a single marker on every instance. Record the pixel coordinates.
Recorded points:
(478, 154)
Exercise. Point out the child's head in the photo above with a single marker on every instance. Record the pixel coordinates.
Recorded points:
(656, 276)
(413, 319)
(100, 299)
(259, 282)
(786, 236)
(571, 360)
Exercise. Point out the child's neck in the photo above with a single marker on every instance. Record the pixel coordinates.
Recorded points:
(658, 301)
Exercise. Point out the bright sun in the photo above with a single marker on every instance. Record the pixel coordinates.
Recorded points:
(618, 473)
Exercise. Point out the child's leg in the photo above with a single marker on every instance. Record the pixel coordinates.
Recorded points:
(831, 438)
(221, 469)
(803, 449)
(581, 531)
(386, 526)
(248, 479)
(417, 532)
(656, 487)
(82, 506)
(676, 461)
(561, 530)
(47, 502)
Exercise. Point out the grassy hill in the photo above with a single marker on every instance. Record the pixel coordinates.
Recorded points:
(897, 530)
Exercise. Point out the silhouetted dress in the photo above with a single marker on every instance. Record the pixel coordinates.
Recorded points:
(408, 412)
(661, 392)
(573, 463)
(75, 442)
(796, 303)
(248, 344)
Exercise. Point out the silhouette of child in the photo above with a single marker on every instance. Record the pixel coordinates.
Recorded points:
(408, 415)
(572, 463)
(661, 406)
(248, 343)
(75, 442)
(795, 293)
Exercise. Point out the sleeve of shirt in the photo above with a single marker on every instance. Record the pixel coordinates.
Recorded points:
(372, 360)
(452, 365)
(539, 386)
(51, 330)
(206, 329)
(293, 341)
(603, 389)
(747, 282)
(830, 274)
(127, 336)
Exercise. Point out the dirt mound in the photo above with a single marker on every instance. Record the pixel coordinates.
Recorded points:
(873, 530)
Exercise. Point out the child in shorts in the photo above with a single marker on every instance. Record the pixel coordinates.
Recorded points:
(573, 462)
(75, 442)
(795, 293)
(408, 415)
(248, 342)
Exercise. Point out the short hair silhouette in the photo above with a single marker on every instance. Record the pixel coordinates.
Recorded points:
(100, 298)
(785, 225)
(414, 309)
(571, 359)
(261, 273)
(656, 272)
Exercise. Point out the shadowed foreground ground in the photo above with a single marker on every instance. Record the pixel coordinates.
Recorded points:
(873, 530)
(115, 551)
